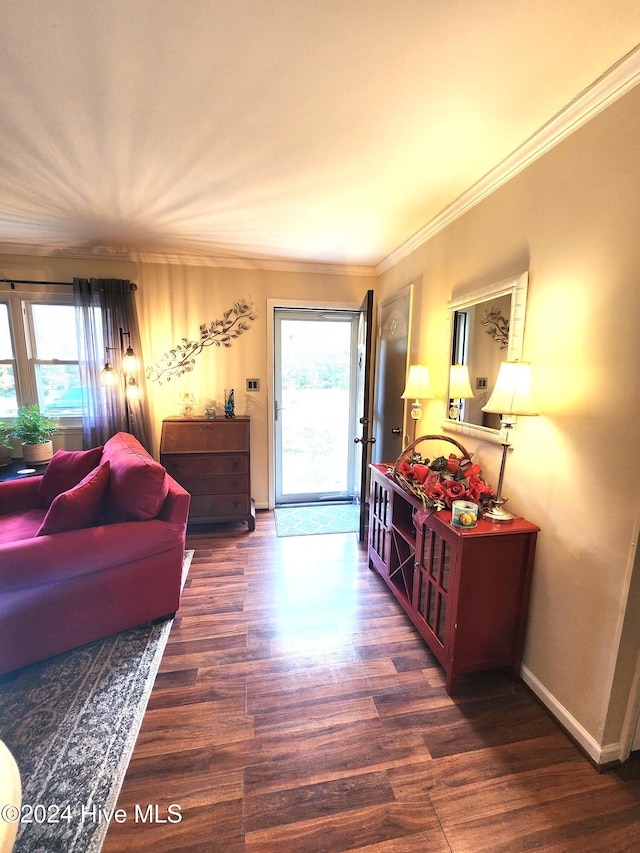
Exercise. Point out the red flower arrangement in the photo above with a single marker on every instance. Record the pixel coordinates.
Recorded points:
(441, 481)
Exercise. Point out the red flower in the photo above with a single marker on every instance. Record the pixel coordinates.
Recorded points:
(453, 491)
(436, 493)
(405, 469)
(478, 488)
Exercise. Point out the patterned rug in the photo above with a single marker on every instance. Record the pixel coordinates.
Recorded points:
(319, 518)
(71, 723)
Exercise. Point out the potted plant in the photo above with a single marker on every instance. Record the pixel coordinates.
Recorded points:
(34, 430)
(6, 431)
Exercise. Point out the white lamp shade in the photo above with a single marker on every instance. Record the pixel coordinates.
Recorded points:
(418, 384)
(512, 392)
(130, 363)
(108, 377)
(459, 384)
(132, 391)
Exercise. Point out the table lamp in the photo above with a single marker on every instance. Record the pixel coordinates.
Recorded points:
(418, 388)
(511, 397)
(459, 389)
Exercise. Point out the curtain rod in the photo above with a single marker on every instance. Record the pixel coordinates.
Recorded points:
(13, 281)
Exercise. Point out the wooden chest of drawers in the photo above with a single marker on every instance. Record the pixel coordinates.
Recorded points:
(211, 459)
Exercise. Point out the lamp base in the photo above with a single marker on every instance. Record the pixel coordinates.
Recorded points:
(497, 514)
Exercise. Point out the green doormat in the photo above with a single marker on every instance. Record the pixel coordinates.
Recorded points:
(319, 518)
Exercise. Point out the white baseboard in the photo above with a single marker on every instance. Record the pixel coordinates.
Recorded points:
(599, 754)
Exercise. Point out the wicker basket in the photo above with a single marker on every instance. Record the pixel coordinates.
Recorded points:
(406, 454)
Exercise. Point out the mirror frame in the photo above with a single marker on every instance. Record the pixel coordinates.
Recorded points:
(517, 288)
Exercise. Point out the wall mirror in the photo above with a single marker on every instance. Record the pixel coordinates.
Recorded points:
(487, 328)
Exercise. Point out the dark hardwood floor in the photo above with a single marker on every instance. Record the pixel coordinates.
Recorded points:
(297, 711)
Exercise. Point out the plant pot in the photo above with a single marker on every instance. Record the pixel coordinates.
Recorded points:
(37, 454)
(5, 456)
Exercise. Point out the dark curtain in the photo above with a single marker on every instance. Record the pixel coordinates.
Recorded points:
(103, 308)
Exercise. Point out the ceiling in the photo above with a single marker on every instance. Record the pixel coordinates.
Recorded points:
(315, 131)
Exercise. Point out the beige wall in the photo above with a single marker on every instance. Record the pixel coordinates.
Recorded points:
(173, 301)
(571, 219)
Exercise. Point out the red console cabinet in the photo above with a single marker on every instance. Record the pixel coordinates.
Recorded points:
(465, 590)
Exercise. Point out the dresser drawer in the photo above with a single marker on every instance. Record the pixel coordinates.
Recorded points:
(230, 484)
(220, 506)
(199, 435)
(179, 465)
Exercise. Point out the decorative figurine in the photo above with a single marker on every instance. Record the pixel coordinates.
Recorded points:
(187, 404)
(209, 410)
(229, 405)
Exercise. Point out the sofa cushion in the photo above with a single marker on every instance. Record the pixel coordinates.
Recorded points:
(65, 470)
(138, 485)
(24, 524)
(78, 507)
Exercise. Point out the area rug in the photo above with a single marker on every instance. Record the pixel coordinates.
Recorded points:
(71, 723)
(318, 518)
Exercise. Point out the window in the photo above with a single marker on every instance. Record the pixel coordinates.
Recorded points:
(39, 355)
(55, 358)
(8, 395)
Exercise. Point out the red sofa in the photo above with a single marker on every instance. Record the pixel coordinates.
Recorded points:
(92, 547)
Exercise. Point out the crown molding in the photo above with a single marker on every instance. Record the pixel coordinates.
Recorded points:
(607, 89)
(126, 255)
(250, 263)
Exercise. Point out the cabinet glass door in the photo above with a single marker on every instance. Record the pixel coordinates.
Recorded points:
(432, 586)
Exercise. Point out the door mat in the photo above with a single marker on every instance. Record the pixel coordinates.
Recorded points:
(316, 519)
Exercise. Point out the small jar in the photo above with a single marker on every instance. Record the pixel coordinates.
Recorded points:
(464, 514)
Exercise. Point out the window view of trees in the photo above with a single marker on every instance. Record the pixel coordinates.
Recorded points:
(46, 372)
(56, 347)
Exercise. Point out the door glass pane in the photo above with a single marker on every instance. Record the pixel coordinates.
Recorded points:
(316, 407)
(443, 618)
(446, 560)
(434, 564)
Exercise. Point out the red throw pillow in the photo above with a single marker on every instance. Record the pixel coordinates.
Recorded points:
(78, 507)
(65, 470)
(138, 486)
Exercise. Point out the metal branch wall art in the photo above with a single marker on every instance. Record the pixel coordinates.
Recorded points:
(219, 333)
(497, 325)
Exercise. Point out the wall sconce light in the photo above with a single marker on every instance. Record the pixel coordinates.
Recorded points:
(510, 398)
(459, 389)
(110, 378)
(418, 388)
